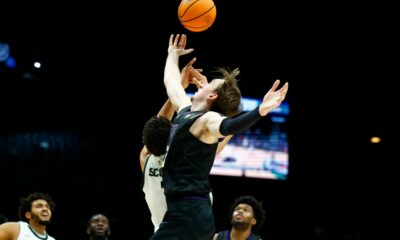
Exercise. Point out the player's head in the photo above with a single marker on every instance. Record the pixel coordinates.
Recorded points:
(221, 94)
(247, 211)
(37, 207)
(155, 135)
(98, 227)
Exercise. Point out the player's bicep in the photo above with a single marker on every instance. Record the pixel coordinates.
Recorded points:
(213, 122)
(9, 231)
(144, 154)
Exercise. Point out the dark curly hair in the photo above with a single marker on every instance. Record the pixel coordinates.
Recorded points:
(26, 203)
(259, 212)
(155, 135)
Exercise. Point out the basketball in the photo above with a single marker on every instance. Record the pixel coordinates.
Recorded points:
(197, 15)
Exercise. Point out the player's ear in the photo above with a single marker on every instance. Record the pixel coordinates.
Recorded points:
(253, 222)
(212, 96)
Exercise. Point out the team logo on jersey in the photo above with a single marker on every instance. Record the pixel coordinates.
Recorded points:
(155, 172)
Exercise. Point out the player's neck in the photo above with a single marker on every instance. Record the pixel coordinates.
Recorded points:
(39, 230)
(99, 238)
(37, 227)
(199, 106)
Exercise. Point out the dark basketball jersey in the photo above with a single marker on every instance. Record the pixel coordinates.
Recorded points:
(225, 235)
(189, 160)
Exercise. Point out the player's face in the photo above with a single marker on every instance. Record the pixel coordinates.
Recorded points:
(99, 226)
(40, 212)
(208, 89)
(243, 215)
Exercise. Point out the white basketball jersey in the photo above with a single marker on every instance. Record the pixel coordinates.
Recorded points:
(25, 233)
(154, 193)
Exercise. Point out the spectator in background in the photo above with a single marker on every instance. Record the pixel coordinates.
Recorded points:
(247, 215)
(98, 227)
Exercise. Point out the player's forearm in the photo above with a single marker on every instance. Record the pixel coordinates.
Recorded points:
(172, 78)
(240, 123)
(172, 75)
(172, 81)
(167, 110)
(221, 145)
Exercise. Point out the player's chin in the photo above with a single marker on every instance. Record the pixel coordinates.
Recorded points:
(44, 222)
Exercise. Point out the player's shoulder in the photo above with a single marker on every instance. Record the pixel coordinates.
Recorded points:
(212, 116)
(9, 229)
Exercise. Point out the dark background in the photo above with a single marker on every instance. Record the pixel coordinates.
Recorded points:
(73, 127)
